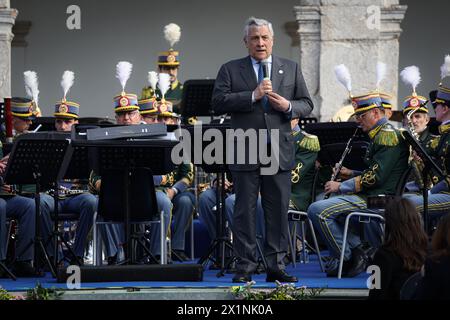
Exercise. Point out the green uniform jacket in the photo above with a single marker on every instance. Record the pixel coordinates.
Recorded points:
(302, 177)
(439, 149)
(174, 95)
(425, 139)
(387, 160)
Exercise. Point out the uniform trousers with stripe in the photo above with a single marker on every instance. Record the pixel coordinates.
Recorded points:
(328, 217)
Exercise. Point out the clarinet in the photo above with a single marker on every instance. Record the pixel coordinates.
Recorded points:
(339, 165)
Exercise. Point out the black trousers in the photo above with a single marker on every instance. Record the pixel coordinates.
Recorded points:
(275, 193)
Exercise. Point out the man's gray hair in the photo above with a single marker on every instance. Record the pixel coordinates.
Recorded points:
(252, 21)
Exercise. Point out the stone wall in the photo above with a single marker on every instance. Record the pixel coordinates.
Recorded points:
(332, 33)
(7, 18)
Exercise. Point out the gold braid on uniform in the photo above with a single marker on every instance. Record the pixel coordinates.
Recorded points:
(295, 174)
(170, 178)
(310, 142)
(92, 184)
(434, 142)
(443, 128)
(369, 177)
(387, 137)
(189, 176)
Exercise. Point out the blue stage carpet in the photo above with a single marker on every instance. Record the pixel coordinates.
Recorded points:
(309, 275)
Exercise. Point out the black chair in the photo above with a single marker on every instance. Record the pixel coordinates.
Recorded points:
(62, 218)
(378, 216)
(301, 217)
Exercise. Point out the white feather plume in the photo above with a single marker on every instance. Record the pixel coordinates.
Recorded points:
(381, 72)
(67, 81)
(445, 68)
(123, 72)
(31, 85)
(343, 76)
(172, 33)
(153, 79)
(164, 83)
(411, 77)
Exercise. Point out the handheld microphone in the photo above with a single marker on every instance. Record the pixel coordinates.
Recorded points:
(265, 66)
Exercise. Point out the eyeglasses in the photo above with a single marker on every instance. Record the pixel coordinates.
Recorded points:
(361, 116)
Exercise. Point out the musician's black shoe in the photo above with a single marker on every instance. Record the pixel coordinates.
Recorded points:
(242, 277)
(79, 261)
(360, 262)
(280, 276)
(112, 260)
(333, 272)
(25, 269)
(260, 269)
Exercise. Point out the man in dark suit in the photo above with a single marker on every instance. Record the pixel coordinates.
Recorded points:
(261, 101)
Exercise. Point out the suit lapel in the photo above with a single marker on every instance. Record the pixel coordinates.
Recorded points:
(248, 74)
(277, 73)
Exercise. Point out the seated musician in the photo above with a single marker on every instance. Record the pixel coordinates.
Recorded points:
(387, 159)
(73, 196)
(175, 187)
(126, 108)
(307, 148)
(439, 150)
(15, 206)
(416, 118)
(148, 111)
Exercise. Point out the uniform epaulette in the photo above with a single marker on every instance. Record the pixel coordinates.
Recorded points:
(444, 128)
(387, 137)
(309, 142)
(434, 142)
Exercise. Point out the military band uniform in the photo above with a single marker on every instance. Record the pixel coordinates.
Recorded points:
(182, 203)
(439, 150)
(84, 205)
(302, 176)
(387, 160)
(73, 195)
(439, 197)
(17, 207)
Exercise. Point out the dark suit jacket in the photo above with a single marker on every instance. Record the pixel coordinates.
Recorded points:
(232, 94)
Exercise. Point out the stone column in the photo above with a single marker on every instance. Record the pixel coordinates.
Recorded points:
(357, 33)
(7, 19)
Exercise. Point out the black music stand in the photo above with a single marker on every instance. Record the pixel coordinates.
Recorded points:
(38, 159)
(333, 137)
(46, 123)
(222, 240)
(429, 166)
(196, 101)
(118, 163)
(78, 168)
(8, 272)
